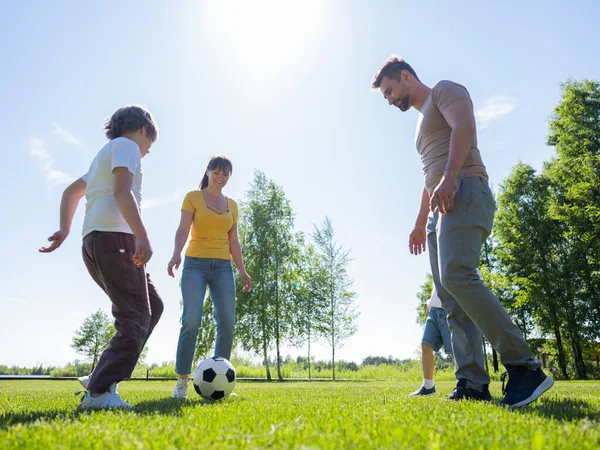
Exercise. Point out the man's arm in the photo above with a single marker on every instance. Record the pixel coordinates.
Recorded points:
(418, 236)
(68, 207)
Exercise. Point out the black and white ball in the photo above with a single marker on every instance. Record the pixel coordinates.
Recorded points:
(214, 379)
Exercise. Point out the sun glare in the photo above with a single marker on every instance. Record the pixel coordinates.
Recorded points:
(266, 35)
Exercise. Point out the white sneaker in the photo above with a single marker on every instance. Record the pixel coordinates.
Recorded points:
(84, 381)
(181, 388)
(103, 401)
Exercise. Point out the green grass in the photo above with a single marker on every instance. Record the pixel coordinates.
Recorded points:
(319, 415)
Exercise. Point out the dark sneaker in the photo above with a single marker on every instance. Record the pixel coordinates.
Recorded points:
(524, 385)
(423, 391)
(462, 392)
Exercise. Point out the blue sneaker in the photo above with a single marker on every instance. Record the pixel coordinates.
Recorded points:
(463, 392)
(423, 391)
(524, 385)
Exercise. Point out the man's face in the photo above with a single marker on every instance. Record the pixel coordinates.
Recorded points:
(396, 92)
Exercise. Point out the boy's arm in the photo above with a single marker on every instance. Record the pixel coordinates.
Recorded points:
(123, 180)
(68, 206)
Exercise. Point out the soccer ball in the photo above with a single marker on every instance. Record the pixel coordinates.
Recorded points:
(214, 379)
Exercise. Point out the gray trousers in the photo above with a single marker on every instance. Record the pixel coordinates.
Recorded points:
(455, 241)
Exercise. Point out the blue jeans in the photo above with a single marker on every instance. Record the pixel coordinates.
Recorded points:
(436, 333)
(197, 274)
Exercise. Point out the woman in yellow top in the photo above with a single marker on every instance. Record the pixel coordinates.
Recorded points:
(212, 218)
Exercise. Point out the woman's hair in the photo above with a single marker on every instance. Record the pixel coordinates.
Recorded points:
(131, 118)
(217, 162)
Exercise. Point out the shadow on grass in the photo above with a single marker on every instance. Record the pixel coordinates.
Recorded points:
(166, 406)
(564, 410)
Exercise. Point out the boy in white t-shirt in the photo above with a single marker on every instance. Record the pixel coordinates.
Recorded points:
(116, 247)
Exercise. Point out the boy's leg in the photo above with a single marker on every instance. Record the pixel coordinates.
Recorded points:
(461, 233)
(427, 362)
(156, 308)
(127, 287)
(222, 292)
(193, 290)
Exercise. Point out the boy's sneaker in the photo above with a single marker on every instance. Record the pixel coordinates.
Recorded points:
(524, 385)
(462, 392)
(85, 381)
(181, 388)
(103, 401)
(423, 391)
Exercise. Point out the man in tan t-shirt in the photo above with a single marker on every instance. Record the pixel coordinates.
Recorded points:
(455, 218)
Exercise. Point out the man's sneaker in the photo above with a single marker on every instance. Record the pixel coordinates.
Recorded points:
(103, 401)
(85, 381)
(181, 388)
(462, 392)
(524, 385)
(423, 391)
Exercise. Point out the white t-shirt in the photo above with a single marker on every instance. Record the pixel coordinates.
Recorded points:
(101, 210)
(435, 302)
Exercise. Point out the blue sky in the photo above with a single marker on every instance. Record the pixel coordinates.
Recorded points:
(278, 86)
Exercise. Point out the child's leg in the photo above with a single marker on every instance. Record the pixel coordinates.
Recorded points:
(108, 257)
(427, 361)
(193, 290)
(431, 341)
(156, 308)
(222, 292)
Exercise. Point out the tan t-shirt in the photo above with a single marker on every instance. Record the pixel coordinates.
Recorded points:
(432, 138)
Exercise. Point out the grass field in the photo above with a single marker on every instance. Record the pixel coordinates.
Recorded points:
(318, 415)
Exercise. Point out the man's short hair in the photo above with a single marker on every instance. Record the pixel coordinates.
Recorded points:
(392, 68)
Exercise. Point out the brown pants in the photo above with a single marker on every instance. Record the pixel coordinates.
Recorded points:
(136, 305)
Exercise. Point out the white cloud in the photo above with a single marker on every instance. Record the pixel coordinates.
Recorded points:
(161, 200)
(494, 108)
(38, 151)
(64, 134)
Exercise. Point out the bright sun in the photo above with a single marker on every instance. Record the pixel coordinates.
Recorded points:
(266, 35)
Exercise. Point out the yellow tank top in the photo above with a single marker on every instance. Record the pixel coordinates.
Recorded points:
(210, 238)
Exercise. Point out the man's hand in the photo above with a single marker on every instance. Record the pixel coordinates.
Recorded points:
(143, 251)
(443, 196)
(56, 241)
(417, 240)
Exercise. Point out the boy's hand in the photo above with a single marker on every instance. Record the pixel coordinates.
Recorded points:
(56, 241)
(143, 251)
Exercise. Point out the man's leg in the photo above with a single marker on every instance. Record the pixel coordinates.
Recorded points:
(466, 339)
(126, 285)
(461, 233)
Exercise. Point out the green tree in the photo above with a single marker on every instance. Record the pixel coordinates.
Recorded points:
(93, 336)
(270, 250)
(530, 244)
(341, 311)
(575, 181)
(309, 301)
